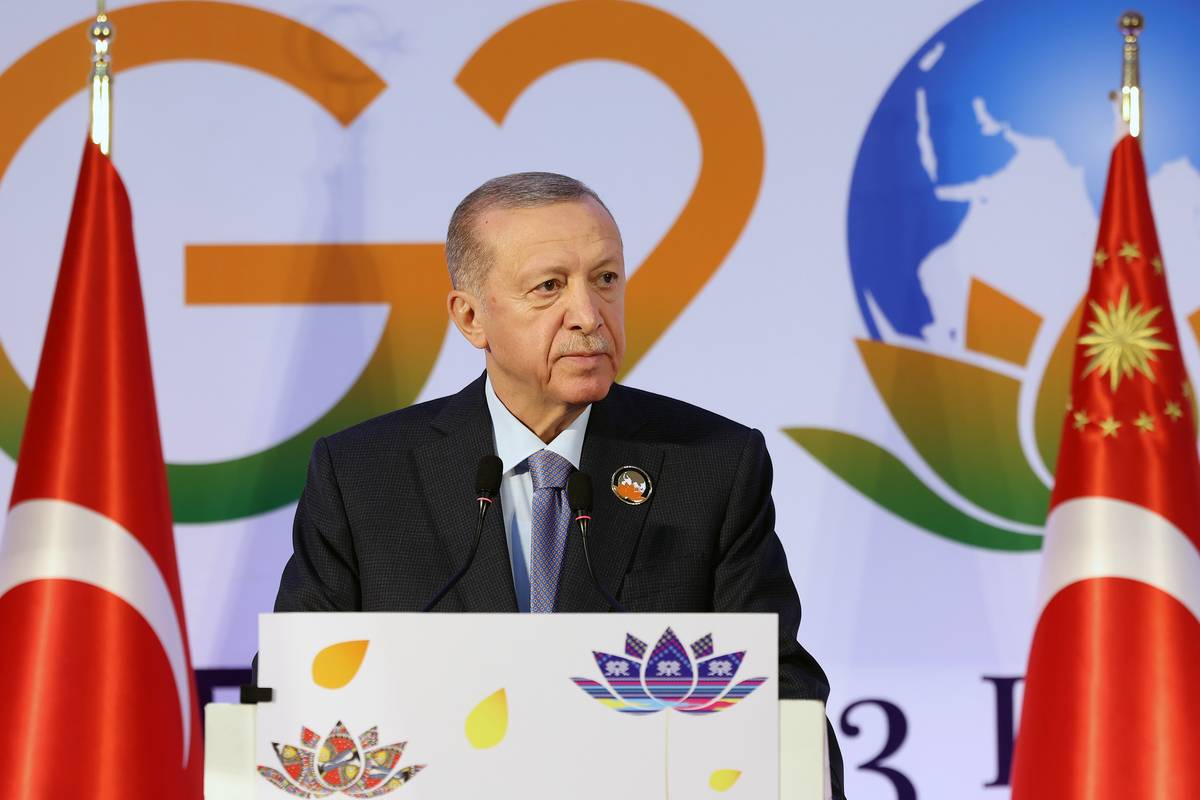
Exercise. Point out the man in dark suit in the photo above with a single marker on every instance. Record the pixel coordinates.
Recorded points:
(387, 515)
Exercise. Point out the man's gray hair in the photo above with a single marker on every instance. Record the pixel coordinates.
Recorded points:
(467, 256)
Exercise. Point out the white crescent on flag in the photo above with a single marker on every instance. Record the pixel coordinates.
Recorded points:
(1099, 537)
(55, 539)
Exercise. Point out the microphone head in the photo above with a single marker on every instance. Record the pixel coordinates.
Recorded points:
(579, 491)
(487, 477)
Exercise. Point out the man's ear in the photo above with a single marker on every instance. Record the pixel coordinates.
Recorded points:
(465, 312)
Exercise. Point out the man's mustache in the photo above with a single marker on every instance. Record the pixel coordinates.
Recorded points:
(584, 345)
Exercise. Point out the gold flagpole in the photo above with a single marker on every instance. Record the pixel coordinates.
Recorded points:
(101, 33)
(1130, 25)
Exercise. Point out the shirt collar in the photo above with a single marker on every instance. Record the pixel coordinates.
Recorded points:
(515, 442)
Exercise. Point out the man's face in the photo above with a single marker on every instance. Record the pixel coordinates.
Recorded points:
(553, 306)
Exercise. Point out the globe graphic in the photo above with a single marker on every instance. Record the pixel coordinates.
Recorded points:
(988, 154)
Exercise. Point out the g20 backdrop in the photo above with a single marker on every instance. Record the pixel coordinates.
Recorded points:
(862, 227)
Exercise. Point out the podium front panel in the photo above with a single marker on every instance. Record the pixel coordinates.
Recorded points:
(523, 706)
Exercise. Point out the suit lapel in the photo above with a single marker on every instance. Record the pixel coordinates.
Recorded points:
(616, 526)
(446, 469)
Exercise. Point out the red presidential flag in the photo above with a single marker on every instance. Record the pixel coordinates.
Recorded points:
(1112, 698)
(98, 698)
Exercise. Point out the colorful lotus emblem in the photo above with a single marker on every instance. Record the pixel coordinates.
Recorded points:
(966, 422)
(340, 765)
(693, 683)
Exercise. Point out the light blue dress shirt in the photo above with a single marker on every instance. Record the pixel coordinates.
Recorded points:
(514, 444)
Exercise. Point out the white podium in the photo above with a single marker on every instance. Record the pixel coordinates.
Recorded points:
(517, 706)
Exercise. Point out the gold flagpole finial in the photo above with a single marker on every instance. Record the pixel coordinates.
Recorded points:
(101, 33)
(1131, 25)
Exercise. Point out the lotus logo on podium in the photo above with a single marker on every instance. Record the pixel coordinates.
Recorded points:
(341, 765)
(669, 678)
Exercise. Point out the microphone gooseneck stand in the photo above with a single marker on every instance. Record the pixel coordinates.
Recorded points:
(487, 486)
(579, 496)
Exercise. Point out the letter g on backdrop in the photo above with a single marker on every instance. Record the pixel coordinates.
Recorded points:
(409, 278)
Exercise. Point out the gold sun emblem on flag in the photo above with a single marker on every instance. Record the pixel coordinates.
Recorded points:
(1122, 340)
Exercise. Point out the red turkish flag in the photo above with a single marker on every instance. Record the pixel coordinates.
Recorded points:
(98, 698)
(1112, 698)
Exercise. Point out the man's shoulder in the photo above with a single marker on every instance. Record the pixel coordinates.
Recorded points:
(411, 427)
(675, 421)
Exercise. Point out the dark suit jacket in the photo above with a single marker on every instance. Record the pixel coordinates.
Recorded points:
(388, 513)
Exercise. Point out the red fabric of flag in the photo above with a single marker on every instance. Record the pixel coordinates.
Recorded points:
(1112, 694)
(99, 700)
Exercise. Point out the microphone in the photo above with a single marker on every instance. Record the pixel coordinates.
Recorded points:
(487, 486)
(579, 496)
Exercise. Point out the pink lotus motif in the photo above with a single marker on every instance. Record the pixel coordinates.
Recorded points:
(340, 765)
(695, 682)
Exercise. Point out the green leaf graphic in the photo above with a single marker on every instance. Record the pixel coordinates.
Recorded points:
(963, 421)
(885, 479)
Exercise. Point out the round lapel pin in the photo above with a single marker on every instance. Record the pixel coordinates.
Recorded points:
(631, 485)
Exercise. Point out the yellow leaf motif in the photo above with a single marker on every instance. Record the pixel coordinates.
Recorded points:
(724, 779)
(488, 722)
(1122, 340)
(336, 665)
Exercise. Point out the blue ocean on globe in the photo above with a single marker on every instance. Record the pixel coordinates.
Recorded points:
(1043, 68)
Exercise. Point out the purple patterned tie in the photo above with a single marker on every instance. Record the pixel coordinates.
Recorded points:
(551, 521)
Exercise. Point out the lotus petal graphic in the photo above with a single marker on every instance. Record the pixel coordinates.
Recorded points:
(690, 681)
(963, 420)
(340, 765)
